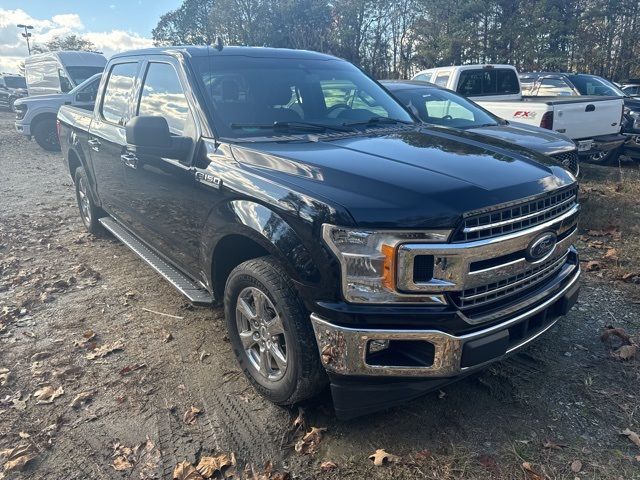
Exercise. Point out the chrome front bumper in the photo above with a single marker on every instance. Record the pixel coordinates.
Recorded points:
(344, 350)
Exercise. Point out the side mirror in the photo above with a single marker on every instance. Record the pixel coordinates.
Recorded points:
(85, 97)
(150, 135)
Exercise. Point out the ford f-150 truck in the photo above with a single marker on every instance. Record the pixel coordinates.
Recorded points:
(593, 122)
(349, 243)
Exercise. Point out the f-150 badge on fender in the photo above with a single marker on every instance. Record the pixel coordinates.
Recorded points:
(208, 179)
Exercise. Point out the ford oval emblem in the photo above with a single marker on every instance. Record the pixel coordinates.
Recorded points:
(541, 246)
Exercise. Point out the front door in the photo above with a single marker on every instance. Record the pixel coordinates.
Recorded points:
(161, 189)
(107, 143)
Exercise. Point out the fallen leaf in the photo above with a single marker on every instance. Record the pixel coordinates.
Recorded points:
(592, 266)
(300, 419)
(121, 463)
(576, 466)
(40, 356)
(105, 350)
(47, 394)
(610, 332)
(81, 399)
(149, 460)
(633, 436)
(489, 462)
(625, 352)
(552, 445)
(23, 435)
(310, 441)
(381, 457)
(612, 254)
(328, 465)
(528, 468)
(186, 471)
(17, 457)
(190, 415)
(441, 394)
(208, 466)
(4, 376)
(424, 454)
(168, 337)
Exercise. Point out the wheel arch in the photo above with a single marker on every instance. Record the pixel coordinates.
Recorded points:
(253, 230)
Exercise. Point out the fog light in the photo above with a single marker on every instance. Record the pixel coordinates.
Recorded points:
(378, 345)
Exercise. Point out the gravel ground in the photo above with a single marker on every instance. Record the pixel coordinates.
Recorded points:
(80, 410)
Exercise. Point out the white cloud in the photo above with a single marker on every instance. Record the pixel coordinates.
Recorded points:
(13, 48)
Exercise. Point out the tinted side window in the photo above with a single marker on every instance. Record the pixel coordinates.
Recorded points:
(163, 96)
(117, 94)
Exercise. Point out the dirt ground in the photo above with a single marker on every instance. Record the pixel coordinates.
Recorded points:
(81, 411)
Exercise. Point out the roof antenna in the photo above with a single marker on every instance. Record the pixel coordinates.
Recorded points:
(219, 45)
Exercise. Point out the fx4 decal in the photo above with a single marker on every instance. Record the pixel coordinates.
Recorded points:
(524, 114)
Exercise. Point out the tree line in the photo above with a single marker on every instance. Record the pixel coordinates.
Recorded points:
(395, 38)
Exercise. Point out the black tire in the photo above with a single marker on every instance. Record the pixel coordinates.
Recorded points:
(609, 158)
(89, 212)
(45, 134)
(304, 376)
(11, 104)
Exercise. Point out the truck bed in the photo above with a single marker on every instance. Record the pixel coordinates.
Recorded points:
(567, 100)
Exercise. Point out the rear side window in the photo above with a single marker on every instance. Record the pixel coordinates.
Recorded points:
(476, 83)
(117, 93)
(163, 96)
(442, 78)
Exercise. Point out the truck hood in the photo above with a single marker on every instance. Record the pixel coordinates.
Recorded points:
(539, 139)
(412, 178)
(53, 98)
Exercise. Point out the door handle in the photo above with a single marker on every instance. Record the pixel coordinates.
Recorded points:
(94, 143)
(129, 160)
(590, 108)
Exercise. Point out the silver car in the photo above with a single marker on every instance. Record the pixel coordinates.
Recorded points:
(438, 106)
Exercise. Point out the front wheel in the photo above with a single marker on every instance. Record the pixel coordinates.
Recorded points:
(271, 333)
(46, 135)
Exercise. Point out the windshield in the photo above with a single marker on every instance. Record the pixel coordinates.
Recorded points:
(593, 85)
(80, 74)
(15, 82)
(441, 107)
(258, 96)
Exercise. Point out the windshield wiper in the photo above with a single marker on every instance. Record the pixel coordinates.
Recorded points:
(293, 125)
(379, 121)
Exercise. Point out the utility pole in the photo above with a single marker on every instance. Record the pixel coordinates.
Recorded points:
(26, 34)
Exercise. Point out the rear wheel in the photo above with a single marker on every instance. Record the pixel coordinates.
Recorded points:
(271, 333)
(46, 135)
(89, 212)
(605, 158)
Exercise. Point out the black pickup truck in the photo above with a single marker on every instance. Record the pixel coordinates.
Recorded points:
(349, 244)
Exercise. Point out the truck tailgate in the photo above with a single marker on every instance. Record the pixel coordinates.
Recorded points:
(591, 117)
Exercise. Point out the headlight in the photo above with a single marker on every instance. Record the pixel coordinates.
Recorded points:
(368, 260)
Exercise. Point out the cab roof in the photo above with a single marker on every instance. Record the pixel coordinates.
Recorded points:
(201, 51)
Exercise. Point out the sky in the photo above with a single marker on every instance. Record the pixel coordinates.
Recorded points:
(112, 25)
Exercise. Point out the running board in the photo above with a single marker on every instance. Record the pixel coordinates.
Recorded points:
(196, 294)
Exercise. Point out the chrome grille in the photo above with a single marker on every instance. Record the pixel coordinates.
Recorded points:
(569, 160)
(502, 289)
(516, 217)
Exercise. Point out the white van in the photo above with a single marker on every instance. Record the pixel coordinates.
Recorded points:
(59, 72)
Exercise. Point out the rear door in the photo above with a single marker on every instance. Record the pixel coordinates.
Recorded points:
(106, 139)
(161, 189)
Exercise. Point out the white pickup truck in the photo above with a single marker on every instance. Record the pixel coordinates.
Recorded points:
(592, 122)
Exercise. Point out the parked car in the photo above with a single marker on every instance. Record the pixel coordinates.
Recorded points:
(570, 84)
(59, 72)
(438, 106)
(631, 87)
(12, 87)
(349, 243)
(36, 116)
(592, 122)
